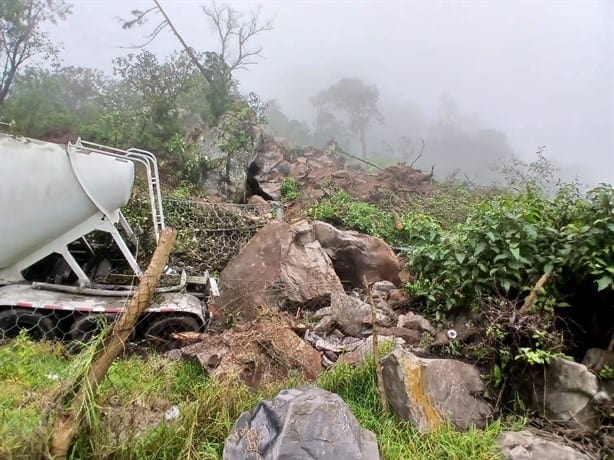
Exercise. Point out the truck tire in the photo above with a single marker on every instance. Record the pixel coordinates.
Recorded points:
(163, 327)
(86, 328)
(37, 326)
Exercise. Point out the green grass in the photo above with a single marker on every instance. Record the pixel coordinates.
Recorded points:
(28, 371)
(126, 419)
(397, 439)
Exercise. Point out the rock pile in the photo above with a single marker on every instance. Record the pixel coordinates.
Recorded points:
(311, 167)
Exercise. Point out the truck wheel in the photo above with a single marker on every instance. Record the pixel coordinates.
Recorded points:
(84, 329)
(162, 328)
(37, 326)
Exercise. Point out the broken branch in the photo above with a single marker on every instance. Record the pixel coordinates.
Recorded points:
(67, 425)
(531, 297)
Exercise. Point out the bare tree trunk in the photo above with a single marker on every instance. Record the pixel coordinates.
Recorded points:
(186, 47)
(6, 84)
(67, 424)
(363, 142)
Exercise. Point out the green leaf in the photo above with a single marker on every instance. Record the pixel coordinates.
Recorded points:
(604, 282)
(515, 252)
(548, 268)
(479, 248)
(460, 257)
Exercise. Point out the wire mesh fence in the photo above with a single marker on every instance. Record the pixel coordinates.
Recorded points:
(51, 329)
(209, 236)
(215, 232)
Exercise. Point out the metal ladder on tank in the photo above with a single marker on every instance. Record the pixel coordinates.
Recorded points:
(150, 162)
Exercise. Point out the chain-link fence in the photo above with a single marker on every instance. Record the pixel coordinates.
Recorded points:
(53, 332)
(209, 235)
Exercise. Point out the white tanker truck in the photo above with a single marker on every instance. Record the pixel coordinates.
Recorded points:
(51, 199)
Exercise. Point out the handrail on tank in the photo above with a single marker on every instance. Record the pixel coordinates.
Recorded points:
(149, 161)
(157, 180)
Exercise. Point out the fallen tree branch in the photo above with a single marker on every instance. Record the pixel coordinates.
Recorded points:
(67, 424)
(528, 302)
(411, 165)
(360, 159)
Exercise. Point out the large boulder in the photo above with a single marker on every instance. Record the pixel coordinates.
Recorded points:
(524, 445)
(431, 392)
(306, 422)
(357, 256)
(282, 266)
(568, 394)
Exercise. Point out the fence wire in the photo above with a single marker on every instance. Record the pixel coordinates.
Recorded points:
(209, 236)
(49, 338)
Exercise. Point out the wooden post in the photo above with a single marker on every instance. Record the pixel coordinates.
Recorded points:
(68, 423)
(378, 366)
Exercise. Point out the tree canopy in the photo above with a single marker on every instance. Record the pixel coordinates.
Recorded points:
(22, 37)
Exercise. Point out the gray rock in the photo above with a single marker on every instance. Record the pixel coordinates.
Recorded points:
(354, 316)
(597, 358)
(357, 352)
(431, 392)
(413, 321)
(303, 423)
(381, 289)
(568, 394)
(524, 445)
(276, 160)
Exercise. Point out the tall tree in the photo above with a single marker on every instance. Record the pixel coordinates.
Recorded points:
(22, 37)
(357, 101)
(235, 50)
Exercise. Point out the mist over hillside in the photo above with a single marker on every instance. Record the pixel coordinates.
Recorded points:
(476, 81)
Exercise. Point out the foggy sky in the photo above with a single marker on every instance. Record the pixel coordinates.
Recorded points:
(542, 72)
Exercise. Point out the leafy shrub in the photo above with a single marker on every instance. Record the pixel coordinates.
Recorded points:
(502, 248)
(509, 241)
(289, 189)
(186, 159)
(450, 203)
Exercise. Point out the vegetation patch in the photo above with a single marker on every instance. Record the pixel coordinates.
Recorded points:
(289, 190)
(129, 419)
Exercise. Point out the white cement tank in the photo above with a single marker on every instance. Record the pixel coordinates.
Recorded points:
(45, 190)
